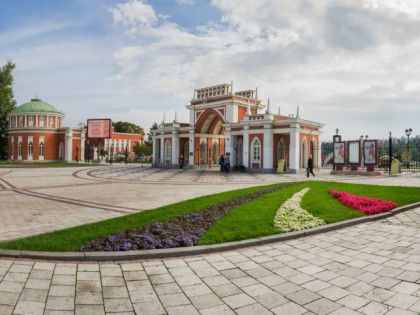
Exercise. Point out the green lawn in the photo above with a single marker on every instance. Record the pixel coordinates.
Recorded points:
(46, 164)
(253, 219)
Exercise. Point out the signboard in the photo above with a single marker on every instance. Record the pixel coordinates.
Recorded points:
(370, 151)
(339, 152)
(354, 152)
(99, 128)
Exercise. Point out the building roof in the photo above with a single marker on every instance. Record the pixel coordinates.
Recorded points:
(36, 105)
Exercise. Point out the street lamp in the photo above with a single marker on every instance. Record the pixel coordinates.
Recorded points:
(408, 133)
(126, 154)
(77, 154)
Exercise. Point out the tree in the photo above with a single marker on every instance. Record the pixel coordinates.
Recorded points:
(126, 127)
(155, 126)
(7, 104)
(142, 149)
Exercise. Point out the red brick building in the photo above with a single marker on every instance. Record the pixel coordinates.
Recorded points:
(36, 133)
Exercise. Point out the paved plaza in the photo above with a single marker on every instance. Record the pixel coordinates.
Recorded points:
(371, 268)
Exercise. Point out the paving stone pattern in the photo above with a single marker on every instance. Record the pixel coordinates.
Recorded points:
(372, 268)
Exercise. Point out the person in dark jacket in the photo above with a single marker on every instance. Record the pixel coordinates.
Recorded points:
(310, 169)
(181, 163)
(222, 163)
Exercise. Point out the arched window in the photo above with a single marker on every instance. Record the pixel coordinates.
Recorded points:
(203, 153)
(215, 153)
(256, 151)
(167, 150)
(41, 149)
(281, 150)
(20, 148)
(30, 148)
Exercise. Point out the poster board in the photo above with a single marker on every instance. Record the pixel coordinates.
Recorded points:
(370, 151)
(354, 152)
(339, 152)
(280, 167)
(99, 128)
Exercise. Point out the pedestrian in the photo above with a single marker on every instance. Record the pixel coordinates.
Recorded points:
(310, 168)
(226, 162)
(181, 163)
(222, 163)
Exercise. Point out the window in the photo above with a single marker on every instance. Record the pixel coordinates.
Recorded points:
(256, 151)
(167, 150)
(30, 121)
(41, 121)
(20, 148)
(282, 150)
(20, 121)
(41, 149)
(52, 122)
(61, 151)
(30, 148)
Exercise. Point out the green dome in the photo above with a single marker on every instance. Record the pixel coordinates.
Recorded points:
(36, 105)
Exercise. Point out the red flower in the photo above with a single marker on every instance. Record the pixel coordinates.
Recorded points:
(363, 204)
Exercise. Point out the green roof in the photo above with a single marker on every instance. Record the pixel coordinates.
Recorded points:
(36, 105)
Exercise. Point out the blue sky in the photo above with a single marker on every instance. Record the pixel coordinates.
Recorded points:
(350, 64)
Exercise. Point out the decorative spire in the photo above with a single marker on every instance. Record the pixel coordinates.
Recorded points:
(176, 118)
(297, 112)
(248, 110)
(268, 107)
(163, 120)
(231, 88)
(256, 95)
(279, 110)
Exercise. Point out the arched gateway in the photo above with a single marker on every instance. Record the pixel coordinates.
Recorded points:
(237, 124)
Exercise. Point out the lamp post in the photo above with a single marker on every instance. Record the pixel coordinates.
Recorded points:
(408, 133)
(77, 154)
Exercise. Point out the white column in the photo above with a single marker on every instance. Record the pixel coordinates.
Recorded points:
(268, 147)
(319, 160)
(68, 149)
(175, 147)
(229, 142)
(162, 148)
(245, 157)
(294, 149)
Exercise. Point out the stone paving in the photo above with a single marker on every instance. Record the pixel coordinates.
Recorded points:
(371, 268)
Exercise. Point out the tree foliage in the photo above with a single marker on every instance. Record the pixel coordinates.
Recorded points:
(126, 127)
(142, 149)
(7, 104)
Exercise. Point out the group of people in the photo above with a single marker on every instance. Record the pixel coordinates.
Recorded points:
(224, 163)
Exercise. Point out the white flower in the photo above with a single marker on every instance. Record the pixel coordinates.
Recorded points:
(291, 216)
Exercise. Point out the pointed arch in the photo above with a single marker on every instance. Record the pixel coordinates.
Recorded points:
(281, 150)
(167, 150)
(255, 151)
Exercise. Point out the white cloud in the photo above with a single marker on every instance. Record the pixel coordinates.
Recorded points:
(134, 12)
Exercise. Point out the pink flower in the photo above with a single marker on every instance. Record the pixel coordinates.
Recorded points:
(363, 204)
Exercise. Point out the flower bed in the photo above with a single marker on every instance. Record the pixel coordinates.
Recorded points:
(292, 217)
(180, 231)
(363, 204)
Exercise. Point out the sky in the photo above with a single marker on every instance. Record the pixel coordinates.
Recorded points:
(349, 64)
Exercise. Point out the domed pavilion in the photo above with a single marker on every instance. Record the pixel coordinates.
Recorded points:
(36, 133)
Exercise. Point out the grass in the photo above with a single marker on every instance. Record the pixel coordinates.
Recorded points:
(254, 219)
(45, 164)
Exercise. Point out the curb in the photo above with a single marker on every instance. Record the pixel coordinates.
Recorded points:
(196, 250)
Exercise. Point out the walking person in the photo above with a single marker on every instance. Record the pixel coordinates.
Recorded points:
(310, 169)
(227, 163)
(181, 163)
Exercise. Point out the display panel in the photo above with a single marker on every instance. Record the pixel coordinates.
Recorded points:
(339, 151)
(99, 128)
(354, 152)
(370, 151)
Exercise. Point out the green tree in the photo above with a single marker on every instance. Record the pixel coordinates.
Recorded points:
(155, 126)
(126, 127)
(7, 104)
(142, 149)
